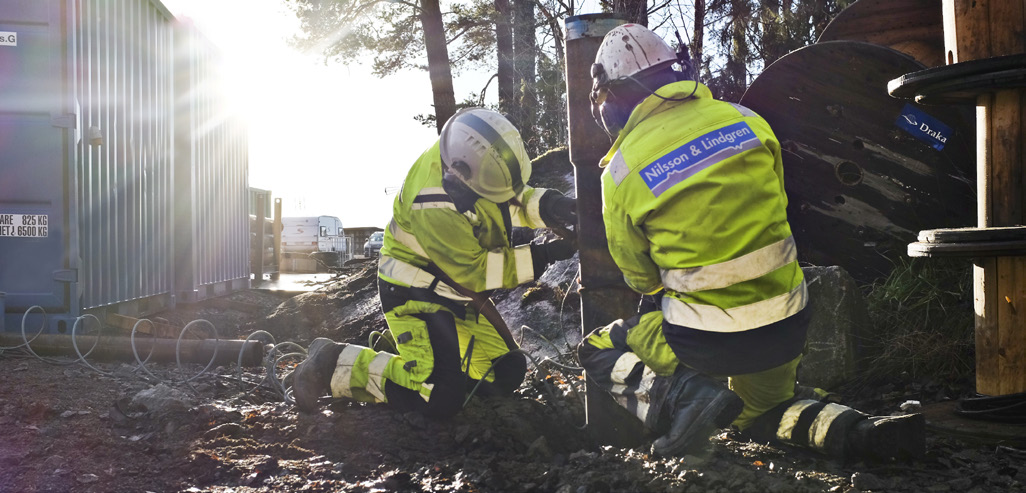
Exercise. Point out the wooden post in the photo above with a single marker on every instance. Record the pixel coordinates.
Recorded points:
(277, 227)
(605, 296)
(975, 30)
(259, 234)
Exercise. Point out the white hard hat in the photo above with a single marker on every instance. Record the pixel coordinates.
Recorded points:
(485, 151)
(628, 50)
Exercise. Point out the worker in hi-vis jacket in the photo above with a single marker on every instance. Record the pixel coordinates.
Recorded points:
(694, 210)
(449, 244)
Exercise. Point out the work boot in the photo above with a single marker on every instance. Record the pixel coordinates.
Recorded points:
(312, 377)
(697, 406)
(879, 438)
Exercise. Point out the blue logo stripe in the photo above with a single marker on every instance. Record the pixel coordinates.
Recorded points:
(698, 154)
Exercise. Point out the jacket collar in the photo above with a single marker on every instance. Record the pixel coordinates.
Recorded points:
(654, 104)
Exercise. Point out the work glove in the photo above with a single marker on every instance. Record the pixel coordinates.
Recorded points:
(558, 210)
(651, 302)
(543, 254)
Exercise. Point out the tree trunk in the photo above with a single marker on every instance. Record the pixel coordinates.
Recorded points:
(820, 17)
(696, 41)
(772, 31)
(504, 48)
(737, 60)
(525, 48)
(438, 62)
(635, 11)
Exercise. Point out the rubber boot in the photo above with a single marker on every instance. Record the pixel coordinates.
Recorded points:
(312, 377)
(696, 406)
(880, 438)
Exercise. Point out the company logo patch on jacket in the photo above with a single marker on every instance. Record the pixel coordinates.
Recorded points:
(697, 155)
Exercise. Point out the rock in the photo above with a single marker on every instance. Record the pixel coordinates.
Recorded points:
(837, 315)
(960, 484)
(540, 448)
(162, 399)
(864, 481)
(911, 406)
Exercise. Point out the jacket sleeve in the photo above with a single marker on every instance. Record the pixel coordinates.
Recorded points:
(628, 244)
(448, 239)
(528, 215)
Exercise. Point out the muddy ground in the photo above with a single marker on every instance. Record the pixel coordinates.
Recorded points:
(113, 426)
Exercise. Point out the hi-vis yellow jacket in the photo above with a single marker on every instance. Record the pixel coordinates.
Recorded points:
(471, 246)
(694, 202)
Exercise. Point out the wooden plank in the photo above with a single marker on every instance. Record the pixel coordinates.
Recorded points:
(988, 376)
(1005, 124)
(156, 329)
(984, 163)
(1005, 26)
(1011, 276)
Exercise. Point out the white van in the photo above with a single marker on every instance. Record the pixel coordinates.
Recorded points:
(313, 244)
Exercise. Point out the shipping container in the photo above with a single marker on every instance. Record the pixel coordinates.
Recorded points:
(89, 179)
(211, 176)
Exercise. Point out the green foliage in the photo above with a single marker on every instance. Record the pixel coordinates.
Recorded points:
(742, 37)
(552, 125)
(343, 30)
(922, 321)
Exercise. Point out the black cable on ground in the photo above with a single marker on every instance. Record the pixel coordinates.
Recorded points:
(1009, 408)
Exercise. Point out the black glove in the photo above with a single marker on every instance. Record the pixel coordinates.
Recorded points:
(557, 209)
(651, 302)
(543, 254)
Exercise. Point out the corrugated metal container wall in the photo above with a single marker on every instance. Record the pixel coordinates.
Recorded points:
(124, 59)
(85, 155)
(91, 190)
(211, 176)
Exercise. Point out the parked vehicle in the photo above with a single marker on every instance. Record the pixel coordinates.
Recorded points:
(313, 243)
(373, 244)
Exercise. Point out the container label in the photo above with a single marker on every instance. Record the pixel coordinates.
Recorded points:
(8, 38)
(24, 225)
(924, 127)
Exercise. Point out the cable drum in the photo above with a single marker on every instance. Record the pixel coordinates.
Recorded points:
(913, 27)
(861, 179)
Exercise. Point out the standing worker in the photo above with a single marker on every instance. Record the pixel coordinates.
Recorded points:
(694, 209)
(449, 244)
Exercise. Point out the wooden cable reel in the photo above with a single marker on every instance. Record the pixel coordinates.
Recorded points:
(860, 187)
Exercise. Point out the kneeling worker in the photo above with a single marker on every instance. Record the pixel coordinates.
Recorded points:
(694, 209)
(449, 243)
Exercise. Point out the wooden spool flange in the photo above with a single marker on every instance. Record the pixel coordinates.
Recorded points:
(913, 27)
(970, 242)
(860, 187)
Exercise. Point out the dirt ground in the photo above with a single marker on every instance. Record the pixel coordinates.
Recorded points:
(113, 426)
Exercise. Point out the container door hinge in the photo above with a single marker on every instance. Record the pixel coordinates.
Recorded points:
(65, 275)
(63, 121)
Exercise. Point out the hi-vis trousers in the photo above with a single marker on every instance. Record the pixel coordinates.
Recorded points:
(445, 347)
(628, 357)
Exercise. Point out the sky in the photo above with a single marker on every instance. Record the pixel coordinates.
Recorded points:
(328, 139)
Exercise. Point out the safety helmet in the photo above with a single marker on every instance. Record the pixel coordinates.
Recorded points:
(628, 50)
(484, 151)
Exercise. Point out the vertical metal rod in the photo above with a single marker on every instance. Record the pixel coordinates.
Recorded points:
(604, 295)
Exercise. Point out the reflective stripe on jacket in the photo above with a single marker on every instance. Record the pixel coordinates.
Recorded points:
(471, 246)
(694, 203)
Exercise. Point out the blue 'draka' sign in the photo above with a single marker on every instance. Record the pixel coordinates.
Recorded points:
(924, 127)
